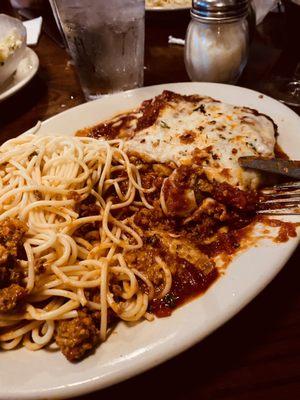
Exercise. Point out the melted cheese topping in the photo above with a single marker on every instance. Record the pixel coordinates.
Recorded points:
(222, 131)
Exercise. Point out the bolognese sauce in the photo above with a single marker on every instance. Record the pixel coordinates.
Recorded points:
(213, 217)
(122, 233)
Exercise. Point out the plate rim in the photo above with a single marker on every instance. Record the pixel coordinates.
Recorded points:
(163, 9)
(91, 385)
(18, 86)
(166, 85)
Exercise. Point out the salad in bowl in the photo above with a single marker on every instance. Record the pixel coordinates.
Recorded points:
(12, 45)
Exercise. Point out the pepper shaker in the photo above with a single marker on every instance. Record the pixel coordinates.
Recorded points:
(217, 40)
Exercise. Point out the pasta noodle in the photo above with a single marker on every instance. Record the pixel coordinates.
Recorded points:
(42, 179)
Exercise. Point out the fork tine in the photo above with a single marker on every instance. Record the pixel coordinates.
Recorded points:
(289, 200)
(281, 199)
(281, 186)
(282, 194)
(280, 211)
(294, 184)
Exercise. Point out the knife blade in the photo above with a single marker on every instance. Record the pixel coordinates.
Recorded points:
(278, 166)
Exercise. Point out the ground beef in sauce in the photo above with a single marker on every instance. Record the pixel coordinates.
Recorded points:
(10, 297)
(87, 208)
(12, 232)
(177, 253)
(207, 220)
(10, 272)
(208, 207)
(154, 219)
(216, 226)
(178, 192)
(143, 259)
(234, 197)
(78, 336)
(4, 253)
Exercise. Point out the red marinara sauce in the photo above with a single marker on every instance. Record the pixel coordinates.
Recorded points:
(189, 283)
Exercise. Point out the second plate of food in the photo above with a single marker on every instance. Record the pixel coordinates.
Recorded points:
(168, 5)
(25, 71)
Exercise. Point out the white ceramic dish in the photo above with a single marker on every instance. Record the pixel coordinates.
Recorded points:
(26, 70)
(131, 350)
(13, 30)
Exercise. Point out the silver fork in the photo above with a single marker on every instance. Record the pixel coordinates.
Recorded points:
(282, 199)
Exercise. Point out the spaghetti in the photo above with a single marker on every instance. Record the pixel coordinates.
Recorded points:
(72, 259)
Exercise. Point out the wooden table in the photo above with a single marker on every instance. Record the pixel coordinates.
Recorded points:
(256, 355)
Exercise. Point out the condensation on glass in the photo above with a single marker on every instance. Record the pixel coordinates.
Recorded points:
(106, 42)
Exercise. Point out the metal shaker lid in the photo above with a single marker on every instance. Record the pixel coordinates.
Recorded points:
(219, 10)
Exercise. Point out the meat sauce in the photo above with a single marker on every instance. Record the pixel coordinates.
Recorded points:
(109, 130)
(239, 206)
(227, 243)
(287, 230)
(12, 292)
(175, 191)
(234, 197)
(203, 229)
(149, 112)
(187, 284)
(77, 336)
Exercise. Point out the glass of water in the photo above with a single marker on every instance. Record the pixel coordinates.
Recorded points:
(106, 42)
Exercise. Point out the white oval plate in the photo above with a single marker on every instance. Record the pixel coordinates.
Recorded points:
(26, 70)
(131, 350)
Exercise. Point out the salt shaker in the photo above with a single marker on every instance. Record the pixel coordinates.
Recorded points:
(217, 40)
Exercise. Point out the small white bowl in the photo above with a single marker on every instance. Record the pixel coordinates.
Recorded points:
(10, 64)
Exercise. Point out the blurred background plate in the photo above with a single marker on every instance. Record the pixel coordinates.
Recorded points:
(169, 7)
(26, 70)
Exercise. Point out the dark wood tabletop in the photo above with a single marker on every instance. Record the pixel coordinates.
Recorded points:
(256, 355)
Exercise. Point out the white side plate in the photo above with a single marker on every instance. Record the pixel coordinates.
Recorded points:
(133, 349)
(26, 70)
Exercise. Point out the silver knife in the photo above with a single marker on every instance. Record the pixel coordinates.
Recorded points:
(289, 168)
